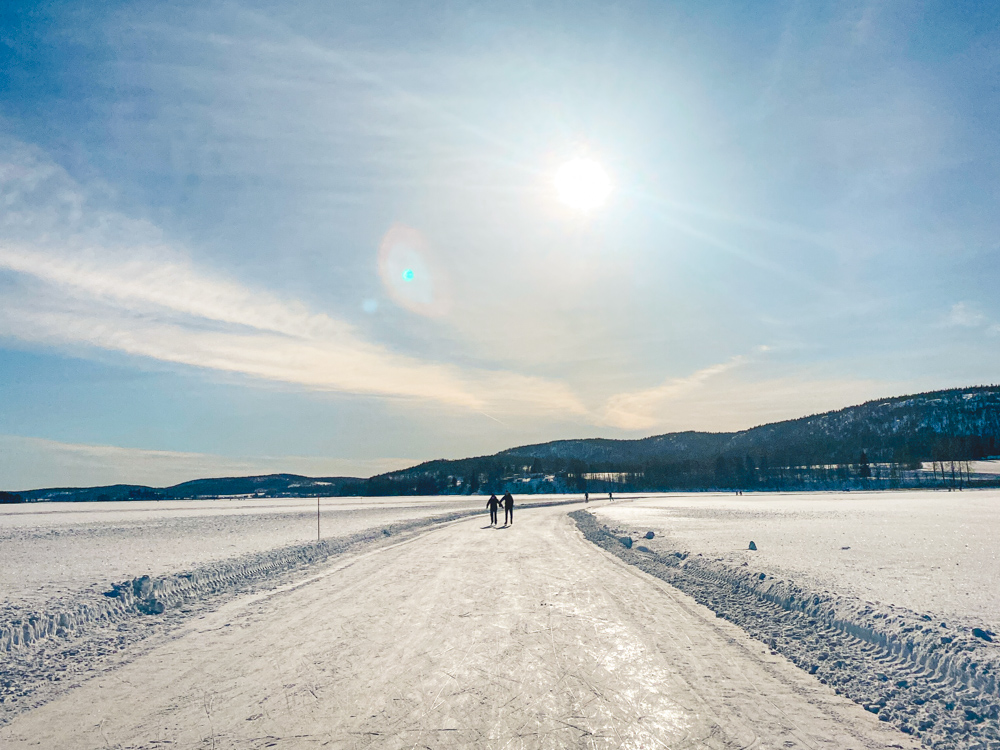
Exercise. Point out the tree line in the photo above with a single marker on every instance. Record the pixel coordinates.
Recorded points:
(867, 470)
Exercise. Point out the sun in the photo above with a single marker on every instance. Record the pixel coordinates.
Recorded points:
(582, 184)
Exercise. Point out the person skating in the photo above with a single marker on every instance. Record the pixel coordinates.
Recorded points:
(508, 509)
(493, 504)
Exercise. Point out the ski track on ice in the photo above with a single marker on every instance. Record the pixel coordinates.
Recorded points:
(460, 636)
(45, 650)
(936, 683)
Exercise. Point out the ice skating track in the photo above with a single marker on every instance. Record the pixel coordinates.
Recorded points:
(471, 637)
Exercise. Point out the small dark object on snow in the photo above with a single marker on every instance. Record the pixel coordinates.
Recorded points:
(151, 607)
(986, 635)
(762, 576)
(142, 587)
(753, 546)
(119, 590)
(626, 541)
(650, 534)
(386, 532)
(845, 547)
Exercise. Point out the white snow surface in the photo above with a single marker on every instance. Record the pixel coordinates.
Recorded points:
(932, 552)
(49, 550)
(465, 636)
(460, 634)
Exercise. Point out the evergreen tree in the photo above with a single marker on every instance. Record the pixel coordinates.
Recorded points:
(864, 468)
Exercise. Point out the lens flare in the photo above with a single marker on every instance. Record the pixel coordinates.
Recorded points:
(582, 184)
(410, 274)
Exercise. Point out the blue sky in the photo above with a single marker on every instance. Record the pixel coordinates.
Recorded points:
(205, 207)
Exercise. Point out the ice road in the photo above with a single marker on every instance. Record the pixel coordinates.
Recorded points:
(461, 636)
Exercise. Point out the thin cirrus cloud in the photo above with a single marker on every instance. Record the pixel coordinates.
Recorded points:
(965, 315)
(727, 397)
(24, 460)
(80, 276)
(77, 276)
(169, 311)
(643, 409)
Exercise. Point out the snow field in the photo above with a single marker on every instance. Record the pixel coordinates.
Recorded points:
(928, 551)
(932, 673)
(465, 636)
(74, 631)
(53, 550)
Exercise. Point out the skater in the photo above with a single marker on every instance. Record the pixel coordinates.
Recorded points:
(586, 497)
(493, 504)
(508, 508)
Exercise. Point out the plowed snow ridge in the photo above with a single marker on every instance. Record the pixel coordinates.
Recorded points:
(518, 637)
(91, 625)
(932, 680)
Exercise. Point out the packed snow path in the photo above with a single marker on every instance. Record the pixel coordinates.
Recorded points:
(521, 637)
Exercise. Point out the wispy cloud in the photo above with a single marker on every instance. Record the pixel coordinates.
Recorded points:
(965, 315)
(645, 409)
(728, 396)
(76, 276)
(81, 281)
(30, 463)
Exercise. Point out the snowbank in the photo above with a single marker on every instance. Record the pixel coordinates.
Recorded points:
(74, 636)
(146, 595)
(50, 551)
(933, 678)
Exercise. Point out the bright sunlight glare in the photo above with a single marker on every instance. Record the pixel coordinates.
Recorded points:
(582, 184)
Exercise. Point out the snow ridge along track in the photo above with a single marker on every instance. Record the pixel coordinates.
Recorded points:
(939, 683)
(152, 596)
(68, 640)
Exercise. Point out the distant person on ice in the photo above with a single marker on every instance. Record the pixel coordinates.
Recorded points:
(508, 508)
(493, 504)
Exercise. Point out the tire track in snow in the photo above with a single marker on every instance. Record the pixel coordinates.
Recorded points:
(897, 664)
(528, 637)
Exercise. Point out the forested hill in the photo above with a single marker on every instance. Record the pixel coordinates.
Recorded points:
(675, 446)
(852, 446)
(954, 424)
(884, 443)
(270, 485)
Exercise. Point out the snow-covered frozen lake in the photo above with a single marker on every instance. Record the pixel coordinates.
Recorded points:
(928, 551)
(422, 598)
(51, 549)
